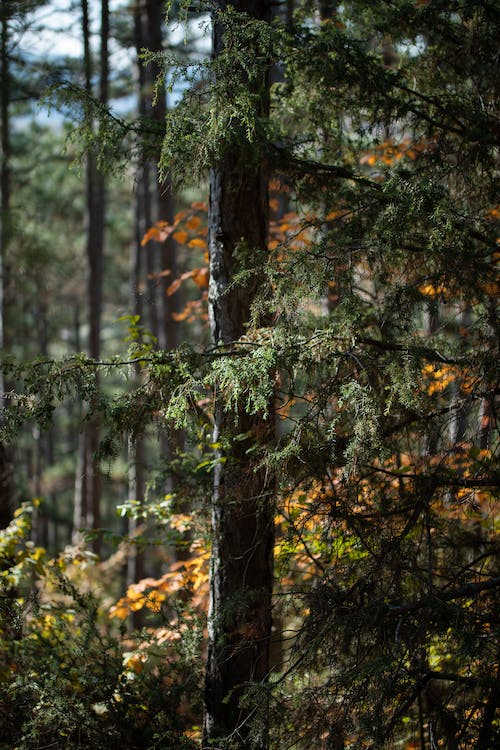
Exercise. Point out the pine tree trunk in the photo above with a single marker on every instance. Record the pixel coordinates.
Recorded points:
(6, 499)
(241, 578)
(95, 221)
(135, 561)
(168, 333)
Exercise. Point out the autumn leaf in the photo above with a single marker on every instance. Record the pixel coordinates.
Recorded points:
(151, 234)
(158, 233)
(176, 284)
(179, 317)
(432, 291)
(193, 222)
(200, 277)
(181, 236)
(197, 242)
(165, 272)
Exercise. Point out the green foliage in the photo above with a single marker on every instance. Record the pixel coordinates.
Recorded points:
(218, 112)
(96, 127)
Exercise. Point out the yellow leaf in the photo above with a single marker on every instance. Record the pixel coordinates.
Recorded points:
(119, 610)
(429, 290)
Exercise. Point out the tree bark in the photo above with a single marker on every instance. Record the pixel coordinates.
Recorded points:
(241, 577)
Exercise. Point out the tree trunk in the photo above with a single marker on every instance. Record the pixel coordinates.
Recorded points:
(157, 201)
(135, 560)
(164, 203)
(6, 500)
(241, 577)
(95, 220)
(168, 332)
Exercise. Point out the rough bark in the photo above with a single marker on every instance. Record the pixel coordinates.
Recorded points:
(241, 576)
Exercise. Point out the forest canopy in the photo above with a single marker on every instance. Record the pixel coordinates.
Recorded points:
(249, 387)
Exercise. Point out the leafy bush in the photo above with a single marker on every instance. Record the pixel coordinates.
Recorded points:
(69, 676)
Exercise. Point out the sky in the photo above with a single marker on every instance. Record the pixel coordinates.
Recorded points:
(55, 30)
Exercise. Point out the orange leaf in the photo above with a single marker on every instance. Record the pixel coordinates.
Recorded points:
(193, 223)
(180, 236)
(173, 287)
(197, 242)
(176, 284)
(200, 278)
(152, 234)
(179, 317)
(165, 233)
(159, 232)
(166, 272)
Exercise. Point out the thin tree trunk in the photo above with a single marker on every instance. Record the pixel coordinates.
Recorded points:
(163, 201)
(241, 576)
(488, 420)
(145, 173)
(6, 499)
(135, 560)
(95, 221)
(168, 333)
